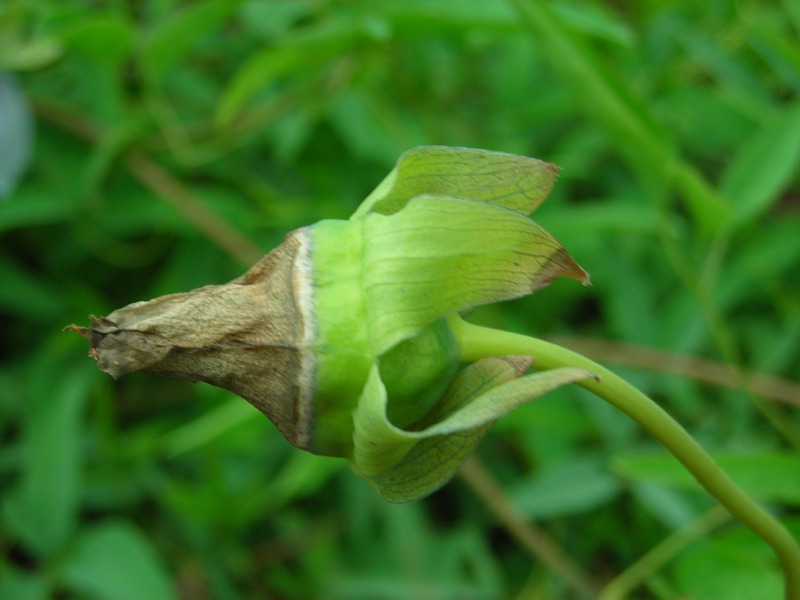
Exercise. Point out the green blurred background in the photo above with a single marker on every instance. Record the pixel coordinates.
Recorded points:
(153, 146)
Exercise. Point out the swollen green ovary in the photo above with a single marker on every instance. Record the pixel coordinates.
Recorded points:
(417, 371)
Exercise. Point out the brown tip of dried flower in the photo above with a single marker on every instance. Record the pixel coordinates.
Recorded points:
(91, 334)
(577, 272)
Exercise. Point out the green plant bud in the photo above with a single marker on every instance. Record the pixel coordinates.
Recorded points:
(340, 335)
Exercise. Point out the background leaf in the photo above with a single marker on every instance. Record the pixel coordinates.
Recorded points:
(173, 37)
(114, 561)
(16, 134)
(43, 511)
(564, 489)
(728, 565)
(769, 476)
(667, 120)
(765, 164)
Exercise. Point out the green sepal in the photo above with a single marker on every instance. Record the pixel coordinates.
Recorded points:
(405, 464)
(442, 254)
(508, 180)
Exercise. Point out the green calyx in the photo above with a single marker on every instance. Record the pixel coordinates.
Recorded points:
(446, 231)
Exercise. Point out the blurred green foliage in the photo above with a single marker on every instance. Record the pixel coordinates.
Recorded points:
(176, 141)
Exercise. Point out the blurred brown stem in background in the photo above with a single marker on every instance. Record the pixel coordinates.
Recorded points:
(536, 541)
(177, 195)
(692, 367)
(170, 189)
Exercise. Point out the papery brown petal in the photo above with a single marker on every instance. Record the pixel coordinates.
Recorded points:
(250, 336)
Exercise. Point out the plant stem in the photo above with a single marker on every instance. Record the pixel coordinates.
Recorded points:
(478, 342)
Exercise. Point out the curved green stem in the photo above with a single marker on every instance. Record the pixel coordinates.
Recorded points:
(478, 342)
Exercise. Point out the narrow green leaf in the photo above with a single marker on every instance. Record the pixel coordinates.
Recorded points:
(765, 165)
(597, 20)
(779, 49)
(172, 39)
(671, 507)
(605, 217)
(302, 475)
(567, 488)
(23, 294)
(736, 76)
(373, 130)
(31, 206)
(43, 510)
(206, 428)
(114, 561)
(106, 38)
(508, 180)
(29, 55)
(767, 475)
(734, 565)
(421, 15)
(634, 131)
(297, 53)
(269, 20)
